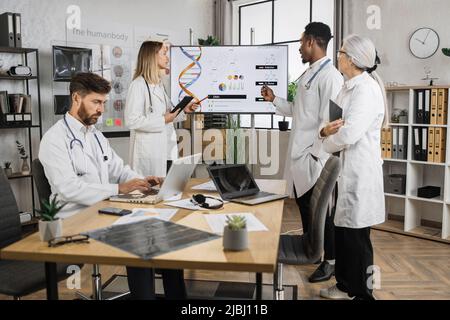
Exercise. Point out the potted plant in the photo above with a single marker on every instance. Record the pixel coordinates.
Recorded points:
(235, 237)
(446, 51)
(7, 168)
(24, 157)
(209, 41)
(234, 140)
(403, 116)
(49, 225)
(292, 90)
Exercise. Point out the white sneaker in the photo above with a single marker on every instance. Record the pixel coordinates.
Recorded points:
(334, 293)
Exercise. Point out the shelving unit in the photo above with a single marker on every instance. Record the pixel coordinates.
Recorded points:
(36, 118)
(409, 214)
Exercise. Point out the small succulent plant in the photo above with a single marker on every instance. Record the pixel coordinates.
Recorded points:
(236, 222)
(7, 164)
(49, 209)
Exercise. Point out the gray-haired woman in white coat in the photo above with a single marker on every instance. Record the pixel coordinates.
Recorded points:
(360, 203)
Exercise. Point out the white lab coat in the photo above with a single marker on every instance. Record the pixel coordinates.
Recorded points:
(98, 179)
(360, 202)
(152, 141)
(309, 109)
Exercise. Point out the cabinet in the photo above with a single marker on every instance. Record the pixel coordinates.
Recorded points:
(34, 126)
(407, 213)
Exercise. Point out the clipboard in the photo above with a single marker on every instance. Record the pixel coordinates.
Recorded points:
(335, 111)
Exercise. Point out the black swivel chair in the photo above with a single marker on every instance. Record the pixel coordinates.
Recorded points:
(40, 180)
(307, 248)
(18, 278)
(44, 192)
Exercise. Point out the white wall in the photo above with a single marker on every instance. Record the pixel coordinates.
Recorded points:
(399, 19)
(43, 22)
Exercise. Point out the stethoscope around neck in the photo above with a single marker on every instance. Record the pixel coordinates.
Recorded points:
(75, 140)
(150, 96)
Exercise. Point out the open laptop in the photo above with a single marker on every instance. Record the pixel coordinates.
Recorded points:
(235, 183)
(178, 176)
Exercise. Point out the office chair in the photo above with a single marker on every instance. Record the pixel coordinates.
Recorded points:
(18, 278)
(44, 192)
(307, 248)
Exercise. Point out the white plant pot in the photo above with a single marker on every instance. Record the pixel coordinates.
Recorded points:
(235, 240)
(50, 229)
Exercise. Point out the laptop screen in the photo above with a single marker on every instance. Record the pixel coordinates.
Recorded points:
(233, 179)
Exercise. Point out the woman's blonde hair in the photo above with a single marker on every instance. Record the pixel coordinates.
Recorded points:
(363, 54)
(147, 64)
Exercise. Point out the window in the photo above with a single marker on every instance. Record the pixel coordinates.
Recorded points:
(256, 17)
(282, 22)
(291, 17)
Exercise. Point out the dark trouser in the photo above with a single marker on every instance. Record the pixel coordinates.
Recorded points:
(141, 282)
(354, 254)
(303, 204)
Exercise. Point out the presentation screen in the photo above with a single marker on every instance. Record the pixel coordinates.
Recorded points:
(230, 77)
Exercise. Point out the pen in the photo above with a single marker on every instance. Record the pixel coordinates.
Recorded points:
(202, 100)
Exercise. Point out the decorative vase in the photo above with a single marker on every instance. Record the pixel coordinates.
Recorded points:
(50, 229)
(8, 172)
(235, 240)
(25, 167)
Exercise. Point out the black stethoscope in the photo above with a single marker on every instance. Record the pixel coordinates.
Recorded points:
(75, 140)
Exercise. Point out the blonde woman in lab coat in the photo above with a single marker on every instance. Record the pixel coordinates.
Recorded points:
(360, 202)
(153, 141)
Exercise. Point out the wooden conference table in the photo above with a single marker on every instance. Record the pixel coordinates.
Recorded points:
(260, 257)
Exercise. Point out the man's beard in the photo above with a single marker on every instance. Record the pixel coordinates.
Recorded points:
(86, 118)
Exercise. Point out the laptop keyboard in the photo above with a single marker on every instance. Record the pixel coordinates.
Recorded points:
(151, 192)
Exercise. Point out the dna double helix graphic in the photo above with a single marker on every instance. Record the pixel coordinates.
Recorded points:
(189, 75)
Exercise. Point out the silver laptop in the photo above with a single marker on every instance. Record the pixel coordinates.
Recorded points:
(235, 183)
(178, 176)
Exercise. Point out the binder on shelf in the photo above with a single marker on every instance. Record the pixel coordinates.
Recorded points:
(427, 102)
(7, 30)
(430, 149)
(4, 102)
(416, 144)
(389, 143)
(442, 106)
(26, 103)
(383, 143)
(395, 142)
(434, 102)
(402, 143)
(445, 105)
(439, 145)
(17, 30)
(423, 145)
(418, 106)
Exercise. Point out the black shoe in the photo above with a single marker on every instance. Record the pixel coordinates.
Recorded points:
(323, 273)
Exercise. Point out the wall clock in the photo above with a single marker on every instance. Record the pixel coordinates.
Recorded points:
(424, 43)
